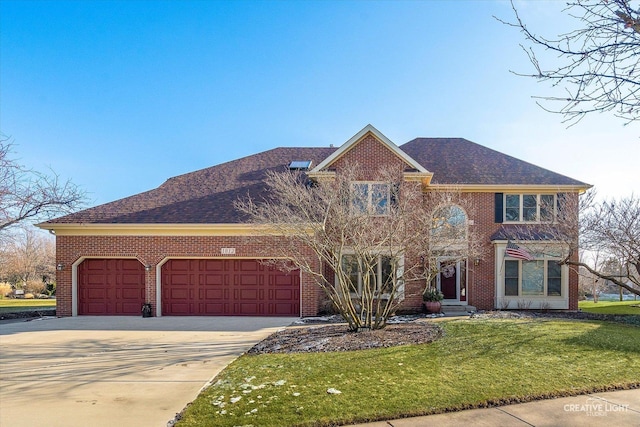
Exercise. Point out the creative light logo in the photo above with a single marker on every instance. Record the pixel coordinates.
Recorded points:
(594, 407)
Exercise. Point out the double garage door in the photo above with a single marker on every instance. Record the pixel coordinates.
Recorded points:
(189, 287)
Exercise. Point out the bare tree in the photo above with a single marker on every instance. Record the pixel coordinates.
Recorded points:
(588, 283)
(26, 194)
(381, 241)
(596, 63)
(27, 260)
(610, 229)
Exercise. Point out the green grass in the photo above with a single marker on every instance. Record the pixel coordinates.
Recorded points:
(611, 307)
(478, 362)
(15, 305)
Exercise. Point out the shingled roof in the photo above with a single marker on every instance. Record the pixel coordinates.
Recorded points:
(207, 196)
(459, 161)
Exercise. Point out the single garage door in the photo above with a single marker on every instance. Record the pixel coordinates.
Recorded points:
(110, 287)
(228, 287)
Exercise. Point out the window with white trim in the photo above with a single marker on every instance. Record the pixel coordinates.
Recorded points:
(381, 277)
(529, 207)
(371, 197)
(536, 278)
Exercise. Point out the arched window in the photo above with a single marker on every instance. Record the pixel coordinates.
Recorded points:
(450, 223)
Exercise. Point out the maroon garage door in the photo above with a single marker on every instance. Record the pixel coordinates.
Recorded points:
(228, 287)
(110, 286)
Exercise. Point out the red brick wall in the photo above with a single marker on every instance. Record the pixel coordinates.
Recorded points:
(370, 155)
(150, 250)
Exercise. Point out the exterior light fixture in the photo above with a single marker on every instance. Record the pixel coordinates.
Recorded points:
(147, 267)
(476, 261)
(60, 266)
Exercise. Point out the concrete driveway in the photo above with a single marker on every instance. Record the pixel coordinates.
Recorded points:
(123, 371)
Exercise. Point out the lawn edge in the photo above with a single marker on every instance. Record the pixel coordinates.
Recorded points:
(491, 403)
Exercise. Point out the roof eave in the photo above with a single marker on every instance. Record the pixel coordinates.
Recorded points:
(572, 188)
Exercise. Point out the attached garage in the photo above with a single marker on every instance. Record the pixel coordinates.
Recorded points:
(111, 287)
(228, 287)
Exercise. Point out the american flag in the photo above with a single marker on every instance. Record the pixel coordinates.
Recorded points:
(515, 251)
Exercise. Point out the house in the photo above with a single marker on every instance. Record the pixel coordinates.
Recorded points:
(185, 250)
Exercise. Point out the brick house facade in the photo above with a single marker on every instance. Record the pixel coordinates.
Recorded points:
(185, 250)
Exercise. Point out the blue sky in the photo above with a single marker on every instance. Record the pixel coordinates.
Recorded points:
(121, 95)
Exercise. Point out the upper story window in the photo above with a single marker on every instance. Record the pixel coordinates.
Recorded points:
(529, 207)
(371, 197)
(450, 222)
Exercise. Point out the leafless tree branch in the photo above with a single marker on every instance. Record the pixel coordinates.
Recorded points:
(597, 63)
(343, 232)
(29, 195)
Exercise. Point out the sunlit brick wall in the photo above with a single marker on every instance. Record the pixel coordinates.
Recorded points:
(150, 250)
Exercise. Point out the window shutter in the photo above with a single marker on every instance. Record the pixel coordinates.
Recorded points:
(499, 204)
(560, 201)
(395, 194)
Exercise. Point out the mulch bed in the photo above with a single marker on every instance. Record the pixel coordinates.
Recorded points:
(28, 314)
(408, 330)
(339, 338)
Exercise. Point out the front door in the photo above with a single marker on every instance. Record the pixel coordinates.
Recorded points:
(452, 280)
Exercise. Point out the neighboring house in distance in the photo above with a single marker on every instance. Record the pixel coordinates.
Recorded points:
(185, 250)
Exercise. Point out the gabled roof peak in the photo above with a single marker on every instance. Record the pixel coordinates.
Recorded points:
(368, 129)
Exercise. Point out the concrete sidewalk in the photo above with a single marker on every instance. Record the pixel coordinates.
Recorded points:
(617, 408)
(123, 371)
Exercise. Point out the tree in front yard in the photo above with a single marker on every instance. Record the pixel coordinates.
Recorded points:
(379, 239)
(27, 195)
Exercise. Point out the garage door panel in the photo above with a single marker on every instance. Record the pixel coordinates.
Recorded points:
(215, 294)
(95, 294)
(249, 294)
(111, 287)
(247, 279)
(213, 279)
(180, 265)
(248, 309)
(130, 279)
(95, 309)
(131, 294)
(283, 295)
(214, 265)
(280, 309)
(285, 280)
(229, 287)
(180, 294)
(129, 307)
(181, 308)
(248, 265)
(213, 309)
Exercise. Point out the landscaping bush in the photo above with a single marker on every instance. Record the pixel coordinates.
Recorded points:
(5, 289)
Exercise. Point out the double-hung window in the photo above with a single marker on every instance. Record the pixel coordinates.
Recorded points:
(529, 207)
(536, 278)
(371, 197)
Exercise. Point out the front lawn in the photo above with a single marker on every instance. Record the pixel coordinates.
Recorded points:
(610, 307)
(477, 363)
(15, 305)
